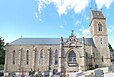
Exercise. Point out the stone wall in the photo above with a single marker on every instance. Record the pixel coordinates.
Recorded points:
(21, 65)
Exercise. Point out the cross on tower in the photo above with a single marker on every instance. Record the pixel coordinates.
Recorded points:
(72, 33)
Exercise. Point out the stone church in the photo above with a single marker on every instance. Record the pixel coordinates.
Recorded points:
(61, 54)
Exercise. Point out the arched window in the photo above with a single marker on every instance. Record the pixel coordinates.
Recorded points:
(72, 57)
(101, 40)
(27, 57)
(56, 57)
(50, 56)
(14, 57)
(41, 57)
(100, 27)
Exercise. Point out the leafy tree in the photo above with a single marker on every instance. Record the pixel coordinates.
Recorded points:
(110, 47)
(2, 52)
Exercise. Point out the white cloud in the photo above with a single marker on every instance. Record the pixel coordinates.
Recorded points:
(86, 33)
(61, 26)
(42, 4)
(110, 29)
(110, 35)
(77, 23)
(81, 28)
(101, 3)
(40, 19)
(78, 35)
(63, 6)
(86, 17)
(36, 14)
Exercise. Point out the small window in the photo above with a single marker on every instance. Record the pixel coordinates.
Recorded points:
(41, 57)
(14, 57)
(100, 27)
(27, 57)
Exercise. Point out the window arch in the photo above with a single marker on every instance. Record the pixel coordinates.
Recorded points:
(27, 57)
(99, 27)
(56, 57)
(72, 57)
(41, 57)
(14, 57)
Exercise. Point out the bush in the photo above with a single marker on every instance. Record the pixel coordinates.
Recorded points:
(38, 75)
(96, 66)
(91, 67)
(52, 76)
(1, 67)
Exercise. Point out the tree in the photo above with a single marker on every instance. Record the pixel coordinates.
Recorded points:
(110, 47)
(2, 52)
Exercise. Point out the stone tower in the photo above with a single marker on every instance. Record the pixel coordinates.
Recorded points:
(98, 33)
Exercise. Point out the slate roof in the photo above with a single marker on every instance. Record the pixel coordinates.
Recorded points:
(88, 41)
(25, 41)
(45, 41)
(97, 14)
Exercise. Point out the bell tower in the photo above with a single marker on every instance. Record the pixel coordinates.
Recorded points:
(98, 28)
(98, 33)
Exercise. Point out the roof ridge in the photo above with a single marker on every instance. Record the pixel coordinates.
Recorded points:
(38, 37)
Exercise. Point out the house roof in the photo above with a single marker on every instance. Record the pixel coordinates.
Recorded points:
(45, 41)
(97, 14)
